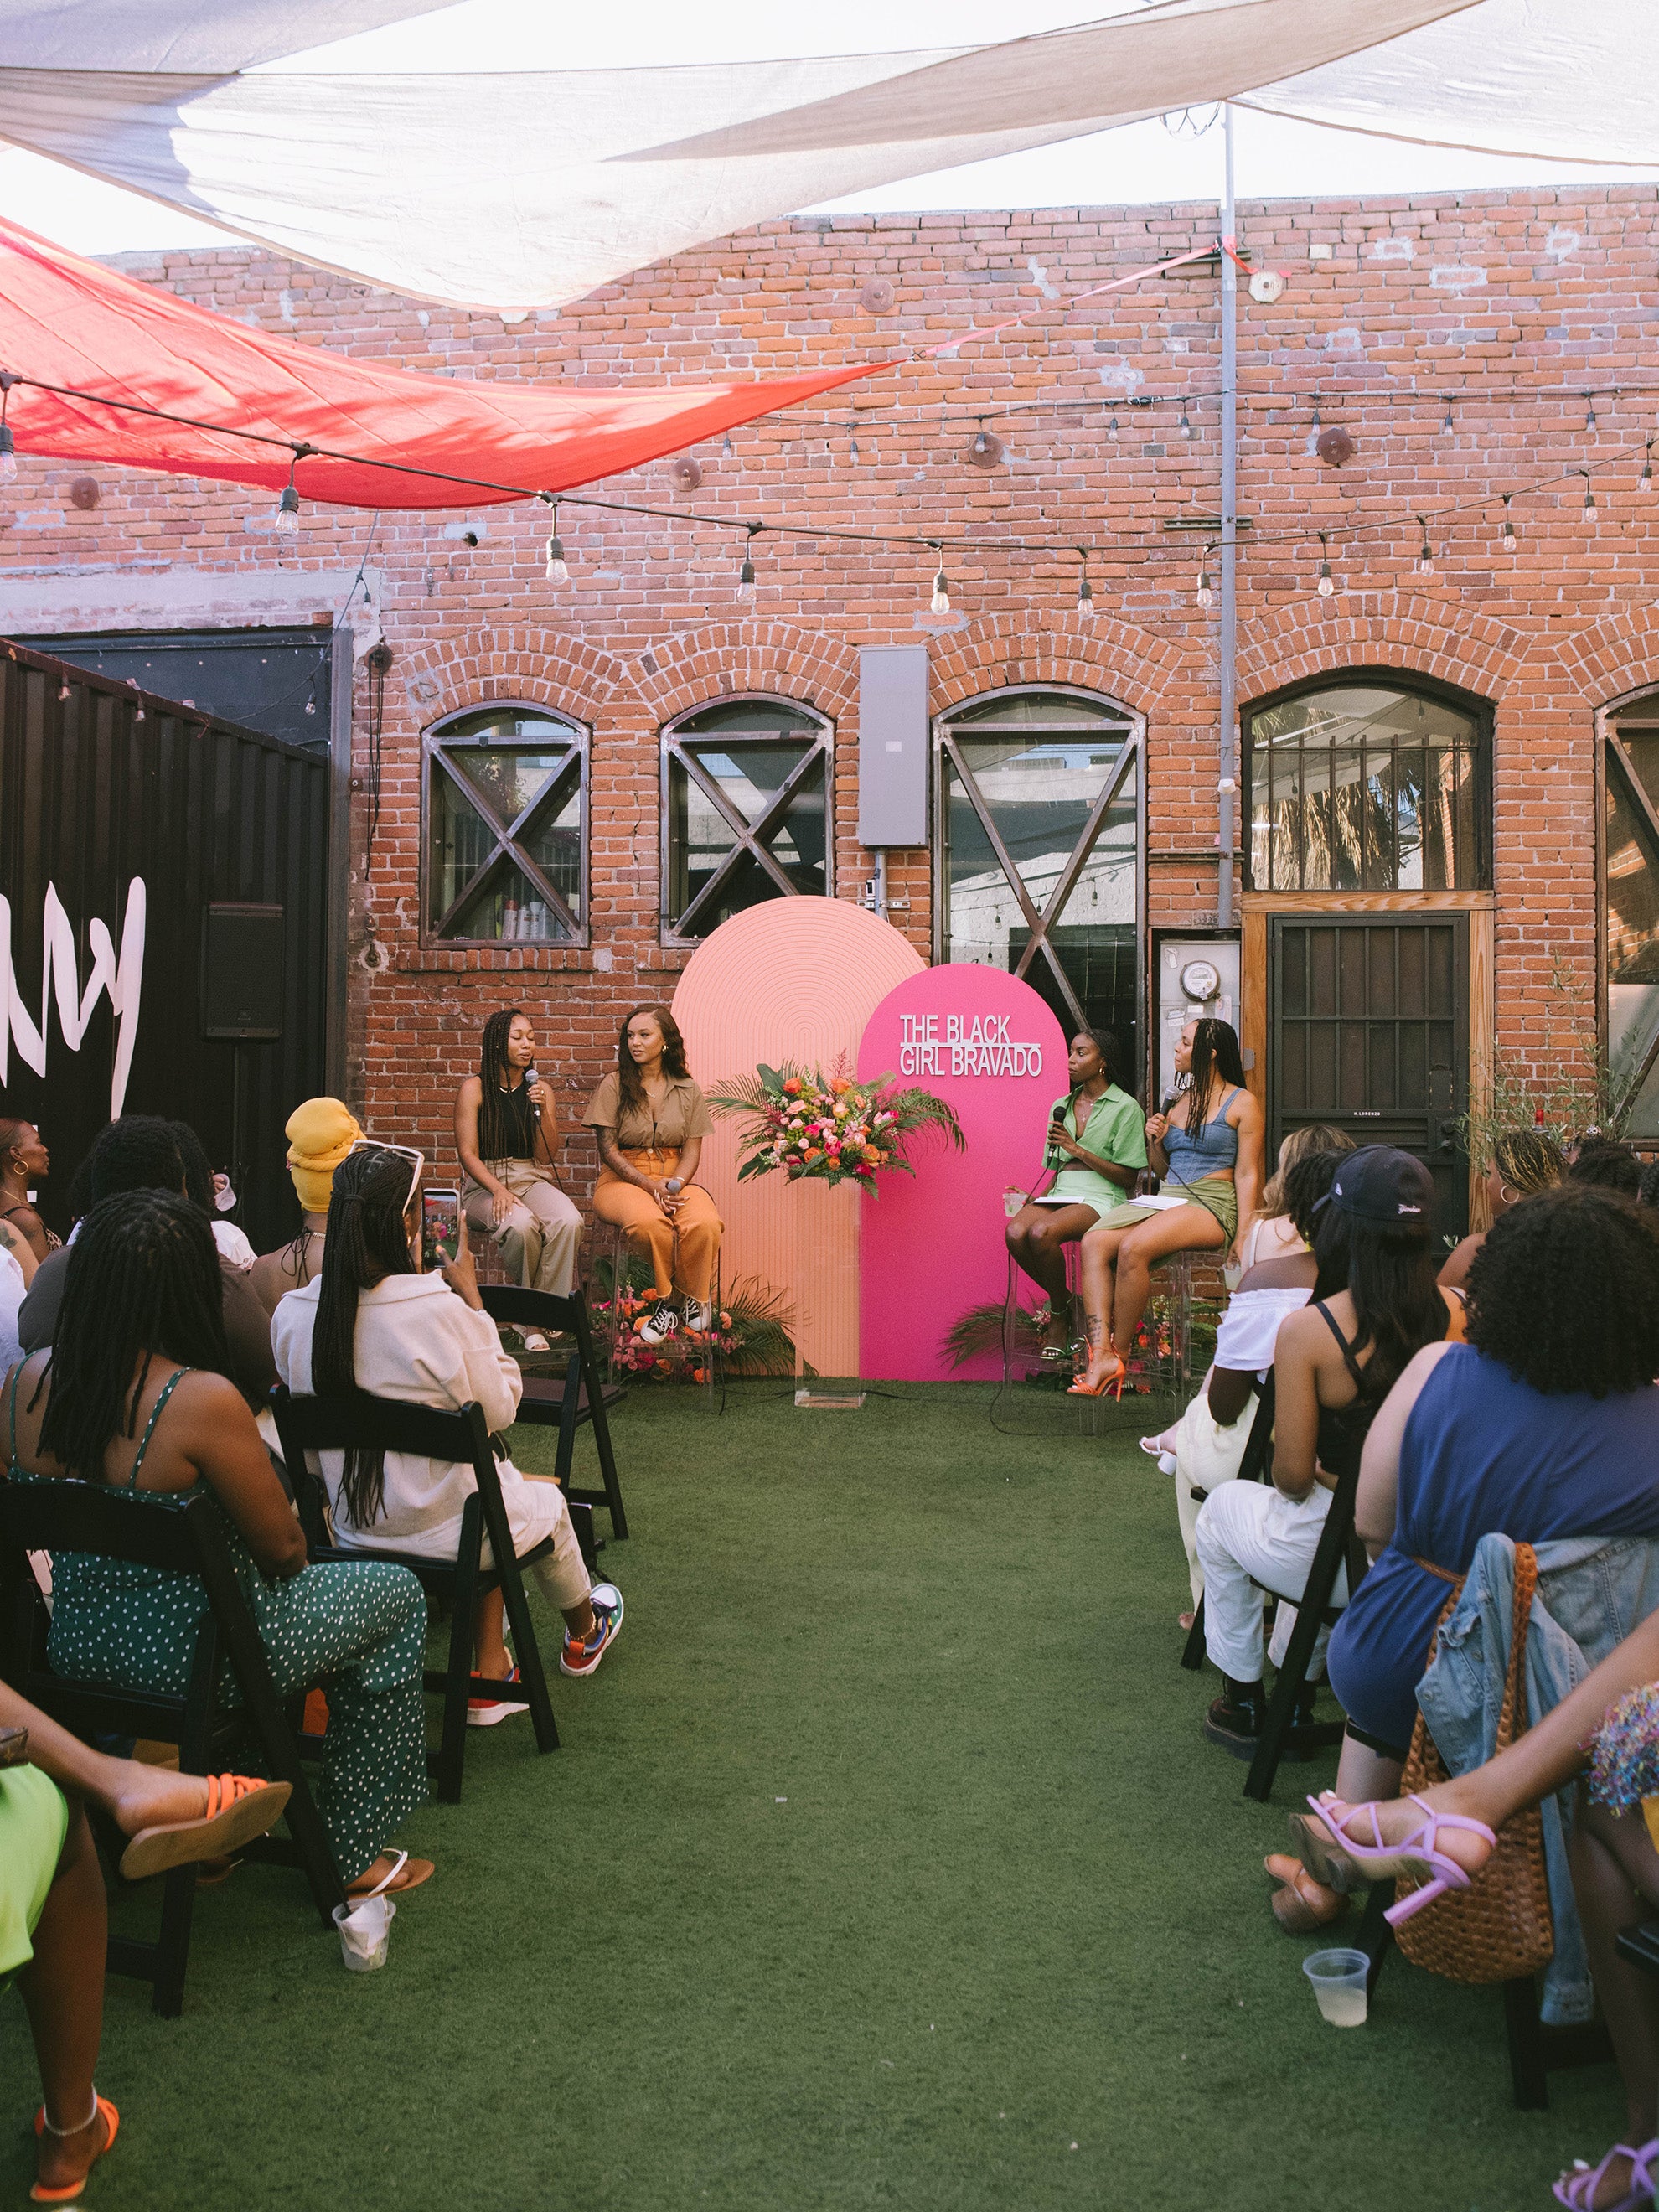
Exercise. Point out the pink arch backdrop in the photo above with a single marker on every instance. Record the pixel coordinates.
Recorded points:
(794, 979)
(933, 1246)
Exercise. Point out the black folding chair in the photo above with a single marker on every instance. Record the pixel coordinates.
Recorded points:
(1339, 1547)
(1257, 1465)
(381, 1423)
(582, 1395)
(181, 1536)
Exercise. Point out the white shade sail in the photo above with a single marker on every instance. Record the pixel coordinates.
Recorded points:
(533, 188)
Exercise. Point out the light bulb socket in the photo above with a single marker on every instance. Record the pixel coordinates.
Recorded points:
(557, 570)
(287, 512)
(746, 575)
(1086, 594)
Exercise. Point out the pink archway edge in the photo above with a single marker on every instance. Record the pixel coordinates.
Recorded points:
(794, 979)
(932, 1246)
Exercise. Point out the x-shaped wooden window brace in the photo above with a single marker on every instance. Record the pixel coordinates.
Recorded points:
(507, 835)
(750, 836)
(1636, 796)
(1041, 923)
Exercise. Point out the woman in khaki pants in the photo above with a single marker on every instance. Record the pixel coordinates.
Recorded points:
(507, 1134)
(649, 1119)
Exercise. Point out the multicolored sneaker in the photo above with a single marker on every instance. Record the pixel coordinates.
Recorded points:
(582, 1657)
(485, 1712)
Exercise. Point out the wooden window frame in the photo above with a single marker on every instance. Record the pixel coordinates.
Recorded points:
(436, 744)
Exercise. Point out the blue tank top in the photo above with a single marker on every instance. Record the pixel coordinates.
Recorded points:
(1485, 1454)
(1214, 1148)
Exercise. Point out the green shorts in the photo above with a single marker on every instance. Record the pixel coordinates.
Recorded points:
(1215, 1194)
(33, 1824)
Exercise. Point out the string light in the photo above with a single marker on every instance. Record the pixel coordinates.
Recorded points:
(1186, 429)
(1590, 496)
(1111, 427)
(558, 569)
(1449, 424)
(288, 507)
(1511, 541)
(1206, 591)
(7, 443)
(1318, 420)
(940, 601)
(746, 574)
(1424, 551)
(64, 690)
(726, 445)
(1326, 585)
(1589, 410)
(1085, 596)
(852, 451)
(1644, 481)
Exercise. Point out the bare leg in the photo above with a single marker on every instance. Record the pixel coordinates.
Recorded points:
(63, 1987)
(1038, 1237)
(1615, 1879)
(1181, 1229)
(1098, 1255)
(133, 1795)
(1362, 1773)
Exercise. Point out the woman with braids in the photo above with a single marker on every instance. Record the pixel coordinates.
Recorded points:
(649, 1119)
(24, 1161)
(1207, 1144)
(506, 1132)
(1523, 1162)
(1541, 1425)
(370, 1322)
(136, 1392)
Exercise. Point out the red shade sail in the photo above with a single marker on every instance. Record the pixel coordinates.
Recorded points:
(71, 322)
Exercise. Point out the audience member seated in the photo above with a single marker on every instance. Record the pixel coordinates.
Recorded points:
(206, 1188)
(1374, 1302)
(136, 1392)
(1523, 1162)
(319, 1135)
(141, 1152)
(1096, 1150)
(1273, 1234)
(1607, 1166)
(1606, 1732)
(370, 1322)
(506, 1132)
(17, 1269)
(52, 1901)
(1206, 1444)
(24, 1162)
(1541, 1425)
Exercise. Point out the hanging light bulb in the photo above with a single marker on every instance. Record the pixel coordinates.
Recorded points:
(1590, 496)
(7, 443)
(288, 507)
(558, 569)
(64, 690)
(311, 697)
(726, 445)
(1318, 422)
(1205, 589)
(1186, 429)
(1644, 481)
(940, 601)
(1326, 585)
(1424, 551)
(1448, 425)
(852, 451)
(1511, 541)
(1111, 427)
(1589, 410)
(1085, 596)
(746, 573)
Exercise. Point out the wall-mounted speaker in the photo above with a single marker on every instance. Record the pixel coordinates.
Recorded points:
(242, 964)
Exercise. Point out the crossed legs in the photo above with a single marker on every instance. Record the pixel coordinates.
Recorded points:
(1117, 1278)
(1038, 1237)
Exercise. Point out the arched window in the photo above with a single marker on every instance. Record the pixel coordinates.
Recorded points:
(1360, 783)
(1630, 914)
(506, 806)
(745, 811)
(1038, 800)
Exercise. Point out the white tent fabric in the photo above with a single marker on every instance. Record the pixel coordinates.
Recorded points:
(531, 189)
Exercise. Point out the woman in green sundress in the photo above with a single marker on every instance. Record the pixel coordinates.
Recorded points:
(134, 1393)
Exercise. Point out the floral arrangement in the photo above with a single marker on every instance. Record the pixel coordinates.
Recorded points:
(751, 1335)
(830, 1129)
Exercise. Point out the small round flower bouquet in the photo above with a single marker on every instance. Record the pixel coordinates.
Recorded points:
(804, 1124)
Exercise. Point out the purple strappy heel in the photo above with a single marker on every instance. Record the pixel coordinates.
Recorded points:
(1381, 1859)
(1577, 2191)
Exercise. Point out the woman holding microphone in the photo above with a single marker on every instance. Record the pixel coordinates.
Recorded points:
(506, 1132)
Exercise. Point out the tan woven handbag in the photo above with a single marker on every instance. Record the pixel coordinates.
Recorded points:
(1500, 1927)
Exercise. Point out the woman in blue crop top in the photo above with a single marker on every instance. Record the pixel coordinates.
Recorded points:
(1207, 1146)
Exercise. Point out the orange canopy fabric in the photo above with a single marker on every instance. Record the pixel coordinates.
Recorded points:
(72, 322)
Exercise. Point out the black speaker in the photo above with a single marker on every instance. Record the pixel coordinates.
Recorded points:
(242, 951)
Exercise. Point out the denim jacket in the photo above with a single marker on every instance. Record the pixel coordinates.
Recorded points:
(1592, 1591)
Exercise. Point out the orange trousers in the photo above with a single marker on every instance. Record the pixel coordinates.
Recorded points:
(682, 1251)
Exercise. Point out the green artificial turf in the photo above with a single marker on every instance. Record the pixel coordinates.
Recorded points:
(883, 1865)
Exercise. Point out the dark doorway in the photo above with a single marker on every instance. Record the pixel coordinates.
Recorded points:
(275, 681)
(1370, 1028)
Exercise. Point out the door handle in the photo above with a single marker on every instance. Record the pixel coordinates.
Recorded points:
(1442, 1136)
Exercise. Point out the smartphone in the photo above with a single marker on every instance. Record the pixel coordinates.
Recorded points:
(440, 1226)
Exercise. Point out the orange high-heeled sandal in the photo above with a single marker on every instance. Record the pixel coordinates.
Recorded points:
(239, 1808)
(1114, 1383)
(39, 2192)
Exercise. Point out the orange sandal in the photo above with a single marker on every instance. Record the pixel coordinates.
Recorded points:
(38, 2192)
(239, 1809)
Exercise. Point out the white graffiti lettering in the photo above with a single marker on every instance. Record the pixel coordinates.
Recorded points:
(121, 975)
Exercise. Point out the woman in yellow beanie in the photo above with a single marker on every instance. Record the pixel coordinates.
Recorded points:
(319, 1135)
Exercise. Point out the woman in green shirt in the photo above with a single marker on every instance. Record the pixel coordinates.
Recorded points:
(1098, 1145)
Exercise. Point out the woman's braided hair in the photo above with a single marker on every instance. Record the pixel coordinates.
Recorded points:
(143, 1284)
(366, 1240)
(493, 1073)
(1529, 1159)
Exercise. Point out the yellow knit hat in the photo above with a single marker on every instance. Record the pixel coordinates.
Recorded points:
(319, 1135)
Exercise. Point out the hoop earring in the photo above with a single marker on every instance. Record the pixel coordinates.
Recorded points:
(1509, 1197)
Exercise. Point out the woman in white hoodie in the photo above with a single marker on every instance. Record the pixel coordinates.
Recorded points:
(370, 1322)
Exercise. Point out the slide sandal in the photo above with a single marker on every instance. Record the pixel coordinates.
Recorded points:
(239, 1809)
(38, 2192)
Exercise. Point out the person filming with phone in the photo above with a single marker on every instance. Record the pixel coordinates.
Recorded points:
(373, 1320)
(506, 1132)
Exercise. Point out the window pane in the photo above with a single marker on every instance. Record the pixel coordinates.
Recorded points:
(980, 909)
(507, 907)
(741, 714)
(509, 722)
(750, 776)
(798, 843)
(748, 884)
(508, 778)
(698, 840)
(460, 844)
(1632, 894)
(1039, 795)
(553, 838)
(1038, 709)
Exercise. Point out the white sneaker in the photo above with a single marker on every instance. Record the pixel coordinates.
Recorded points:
(659, 1323)
(699, 1316)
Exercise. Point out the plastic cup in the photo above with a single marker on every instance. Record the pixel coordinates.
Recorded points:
(1339, 1981)
(365, 1929)
(1013, 1201)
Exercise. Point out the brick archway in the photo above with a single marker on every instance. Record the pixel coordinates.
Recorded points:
(1108, 655)
(699, 667)
(1404, 630)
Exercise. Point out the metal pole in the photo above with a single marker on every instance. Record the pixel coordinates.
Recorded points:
(1227, 780)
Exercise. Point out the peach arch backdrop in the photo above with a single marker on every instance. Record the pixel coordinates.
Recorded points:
(794, 979)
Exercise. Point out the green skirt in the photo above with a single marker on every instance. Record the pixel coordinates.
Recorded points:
(1215, 1194)
(34, 1822)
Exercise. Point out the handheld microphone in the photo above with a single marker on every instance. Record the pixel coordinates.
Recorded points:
(531, 1076)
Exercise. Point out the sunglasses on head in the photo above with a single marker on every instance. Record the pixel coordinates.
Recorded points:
(404, 1152)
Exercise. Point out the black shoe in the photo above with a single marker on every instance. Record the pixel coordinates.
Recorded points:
(1233, 1719)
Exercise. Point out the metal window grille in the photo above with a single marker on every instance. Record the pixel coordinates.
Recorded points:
(504, 809)
(746, 811)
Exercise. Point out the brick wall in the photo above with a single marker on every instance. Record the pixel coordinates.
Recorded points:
(1490, 299)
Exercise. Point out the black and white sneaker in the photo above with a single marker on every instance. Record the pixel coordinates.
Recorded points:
(699, 1316)
(659, 1324)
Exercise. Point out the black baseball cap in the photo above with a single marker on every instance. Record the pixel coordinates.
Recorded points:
(1383, 1185)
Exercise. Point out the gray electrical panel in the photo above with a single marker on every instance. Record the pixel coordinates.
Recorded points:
(895, 744)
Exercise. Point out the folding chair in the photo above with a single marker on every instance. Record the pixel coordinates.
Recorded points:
(381, 1423)
(1339, 1547)
(181, 1536)
(1257, 1465)
(582, 1395)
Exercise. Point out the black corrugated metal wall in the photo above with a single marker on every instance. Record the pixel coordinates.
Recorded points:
(99, 784)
